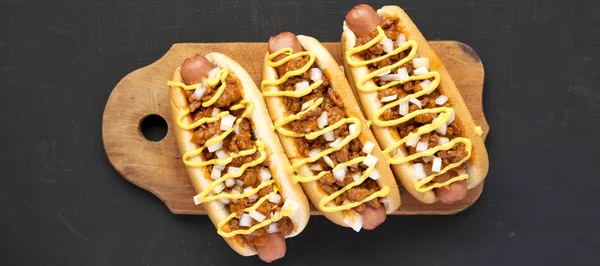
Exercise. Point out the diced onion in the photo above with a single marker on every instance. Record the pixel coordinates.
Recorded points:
(307, 104)
(259, 217)
(420, 62)
(220, 167)
(403, 73)
(354, 221)
(443, 141)
(385, 73)
(230, 182)
(412, 141)
(441, 100)
(322, 120)
(236, 128)
(227, 122)
(419, 171)
(215, 146)
(289, 205)
(215, 173)
(388, 45)
(273, 228)
(389, 98)
(452, 117)
(239, 183)
(437, 165)
(354, 165)
(420, 71)
(425, 84)
(233, 169)
(316, 74)
(302, 85)
(335, 143)
(251, 196)
(352, 129)
(385, 202)
(221, 155)
(415, 101)
(264, 174)
(274, 198)
(245, 220)
(218, 188)
(196, 201)
(368, 147)
(215, 111)
(422, 146)
(212, 74)
(328, 161)
(401, 39)
(199, 92)
(370, 160)
(316, 167)
(224, 200)
(356, 177)
(313, 153)
(375, 174)
(328, 136)
(403, 108)
(392, 77)
(442, 129)
(340, 173)
(427, 159)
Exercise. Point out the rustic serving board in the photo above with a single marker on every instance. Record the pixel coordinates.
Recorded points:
(157, 166)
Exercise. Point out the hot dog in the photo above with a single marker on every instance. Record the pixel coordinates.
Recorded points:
(333, 153)
(234, 160)
(419, 117)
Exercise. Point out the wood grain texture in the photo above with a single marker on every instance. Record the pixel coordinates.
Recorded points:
(157, 167)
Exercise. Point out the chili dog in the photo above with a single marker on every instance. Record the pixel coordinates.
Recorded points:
(233, 158)
(419, 117)
(333, 153)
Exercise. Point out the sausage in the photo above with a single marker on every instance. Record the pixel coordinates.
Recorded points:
(372, 217)
(453, 193)
(362, 19)
(194, 69)
(280, 41)
(274, 248)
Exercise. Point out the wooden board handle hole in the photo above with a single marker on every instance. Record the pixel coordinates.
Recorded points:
(153, 127)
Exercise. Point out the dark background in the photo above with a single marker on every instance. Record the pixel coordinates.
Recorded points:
(62, 203)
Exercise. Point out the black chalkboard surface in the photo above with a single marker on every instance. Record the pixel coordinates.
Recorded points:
(63, 204)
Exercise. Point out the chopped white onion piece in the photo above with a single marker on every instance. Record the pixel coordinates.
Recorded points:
(259, 217)
(215, 111)
(328, 136)
(412, 141)
(452, 117)
(215, 146)
(316, 74)
(403, 108)
(229, 182)
(368, 147)
(274, 198)
(233, 169)
(443, 141)
(370, 160)
(302, 85)
(199, 92)
(437, 165)
(425, 84)
(322, 120)
(442, 129)
(251, 196)
(227, 122)
(221, 155)
(335, 143)
(388, 45)
(215, 173)
(289, 205)
(340, 173)
(427, 158)
(224, 200)
(328, 161)
(239, 183)
(212, 74)
(273, 228)
(218, 188)
(389, 98)
(385, 202)
(401, 39)
(420, 62)
(307, 104)
(403, 73)
(316, 167)
(354, 165)
(354, 221)
(236, 128)
(415, 101)
(375, 174)
(196, 201)
(352, 129)
(420, 71)
(356, 177)
(419, 171)
(245, 220)
(422, 146)
(392, 77)
(385, 73)
(264, 174)
(313, 153)
(441, 100)
(220, 167)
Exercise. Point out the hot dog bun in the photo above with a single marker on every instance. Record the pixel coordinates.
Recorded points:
(478, 162)
(261, 126)
(338, 83)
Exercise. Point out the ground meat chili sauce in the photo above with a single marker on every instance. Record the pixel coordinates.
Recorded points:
(240, 139)
(308, 123)
(433, 138)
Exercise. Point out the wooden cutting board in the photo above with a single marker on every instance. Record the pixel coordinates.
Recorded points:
(157, 166)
